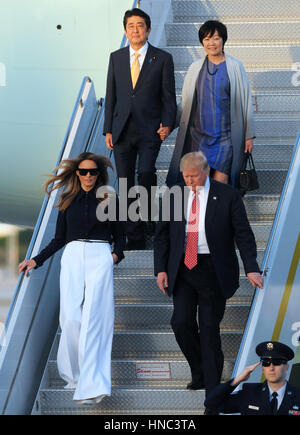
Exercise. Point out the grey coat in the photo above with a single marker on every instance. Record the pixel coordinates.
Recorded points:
(241, 114)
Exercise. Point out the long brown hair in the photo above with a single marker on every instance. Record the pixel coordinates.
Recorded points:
(66, 177)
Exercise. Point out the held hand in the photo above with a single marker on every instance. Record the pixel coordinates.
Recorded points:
(162, 281)
(115, 258)
(26, 266)
(108, 141)
(163, 132)
(245, 374)
(256, 279)
(249, 145)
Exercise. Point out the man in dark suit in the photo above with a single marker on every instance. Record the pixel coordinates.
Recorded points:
(195, 261)
(275, 396)
(140, 109)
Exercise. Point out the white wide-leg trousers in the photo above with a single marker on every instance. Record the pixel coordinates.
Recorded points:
(86, 319)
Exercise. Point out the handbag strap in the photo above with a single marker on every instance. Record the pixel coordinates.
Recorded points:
(248, 159)
(251, 162)
(245, 160)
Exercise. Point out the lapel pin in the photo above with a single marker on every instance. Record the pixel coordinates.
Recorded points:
(256, 408)
(214, 197)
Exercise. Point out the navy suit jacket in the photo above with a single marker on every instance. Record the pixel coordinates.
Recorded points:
(151, 102)
(226, 223)
(252, 399)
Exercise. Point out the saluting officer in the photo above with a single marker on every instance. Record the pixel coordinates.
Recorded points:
(274, 396)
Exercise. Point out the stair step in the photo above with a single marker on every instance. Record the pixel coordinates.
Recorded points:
(139, 289)
(252, 56)
(158, 344)
(271, 181)
(273, 104)
(276, 127)
(126, 399)
(261, 206)
(268, 104)
(261, 80)
(281, 31)
(127, 372)
(125, 413)
(230, 10)
(140, 263)
(264, 155)
(162, 344)
(158, 316)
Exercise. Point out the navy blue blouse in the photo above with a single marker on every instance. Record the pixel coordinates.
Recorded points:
(211, 130)
(79, 221)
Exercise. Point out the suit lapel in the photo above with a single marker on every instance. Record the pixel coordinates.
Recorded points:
(212, 203)
(185, 198)
(125, 65)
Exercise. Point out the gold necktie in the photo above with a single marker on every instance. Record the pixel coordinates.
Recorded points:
(135, 69)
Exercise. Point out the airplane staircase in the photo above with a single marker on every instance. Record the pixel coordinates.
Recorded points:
(264, 38)
(149, 373)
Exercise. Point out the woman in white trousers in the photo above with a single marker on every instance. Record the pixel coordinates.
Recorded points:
(86, 278)
(86, 319)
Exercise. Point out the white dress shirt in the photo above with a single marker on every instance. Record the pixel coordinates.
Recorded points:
(280, 393)
(141, 58)
(202, 193)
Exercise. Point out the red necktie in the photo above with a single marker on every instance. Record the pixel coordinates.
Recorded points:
(191, 250)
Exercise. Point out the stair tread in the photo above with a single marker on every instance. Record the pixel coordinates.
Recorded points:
(177, 385)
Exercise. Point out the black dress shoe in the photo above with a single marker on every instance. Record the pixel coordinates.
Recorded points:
(135, 245)
(196, 384)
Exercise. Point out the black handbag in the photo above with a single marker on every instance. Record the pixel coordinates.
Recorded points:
(248, 177)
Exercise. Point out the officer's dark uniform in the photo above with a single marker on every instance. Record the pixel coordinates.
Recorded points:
(254, 398)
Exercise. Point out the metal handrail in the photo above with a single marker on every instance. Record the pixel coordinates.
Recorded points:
(268, 249)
